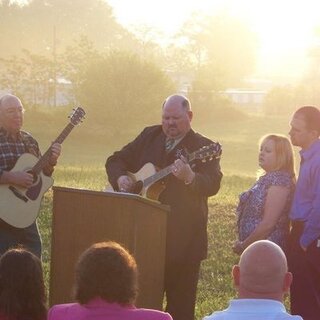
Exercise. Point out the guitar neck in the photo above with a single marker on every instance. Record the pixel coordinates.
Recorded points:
(164, 172)
(43, 161)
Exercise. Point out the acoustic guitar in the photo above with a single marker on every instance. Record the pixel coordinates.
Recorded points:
(19, 206)
(148, 180)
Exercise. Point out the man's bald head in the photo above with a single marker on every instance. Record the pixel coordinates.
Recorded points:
(11, 113)
(176, 116)
(179, 100)
(262, 271)
(9, 99)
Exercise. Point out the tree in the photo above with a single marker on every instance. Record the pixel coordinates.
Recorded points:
(222, 50)
(122, 90)
(33, 25)
(28, 76)
(284, 100)
(75, 62)
(313, 73)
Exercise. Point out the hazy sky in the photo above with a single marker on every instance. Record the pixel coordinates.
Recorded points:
(285, 28)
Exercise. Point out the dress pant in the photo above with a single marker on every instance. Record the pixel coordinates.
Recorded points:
(28, 238)
(305, 267)
(181, 281)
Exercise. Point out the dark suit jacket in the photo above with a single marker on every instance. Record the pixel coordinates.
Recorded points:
(187, 221)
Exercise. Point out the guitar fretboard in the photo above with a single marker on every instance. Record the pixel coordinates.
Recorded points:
(164, 172)
(43, 161)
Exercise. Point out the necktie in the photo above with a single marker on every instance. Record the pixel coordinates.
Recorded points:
(169, 144)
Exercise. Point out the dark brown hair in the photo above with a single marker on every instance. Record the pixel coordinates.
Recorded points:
(108, 271)
(22, 290)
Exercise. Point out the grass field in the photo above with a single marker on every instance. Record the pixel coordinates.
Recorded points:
(82, 166)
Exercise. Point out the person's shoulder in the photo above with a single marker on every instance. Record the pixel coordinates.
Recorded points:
(200, 136)
(152, 129)
(150, 132)
(199, 140)
(60, 311)
(151, 314)
(279, 178)
(316, 154)
(27, 135)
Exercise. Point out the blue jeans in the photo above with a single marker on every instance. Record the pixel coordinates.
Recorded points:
(11, 237)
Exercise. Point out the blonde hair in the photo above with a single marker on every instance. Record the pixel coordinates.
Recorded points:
(284, 153)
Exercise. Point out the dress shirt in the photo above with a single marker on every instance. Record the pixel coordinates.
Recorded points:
(253, 309)
(306, 202)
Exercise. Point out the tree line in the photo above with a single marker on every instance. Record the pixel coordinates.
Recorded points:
(78, 48)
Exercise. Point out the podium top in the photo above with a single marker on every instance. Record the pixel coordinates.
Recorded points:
(126, 195)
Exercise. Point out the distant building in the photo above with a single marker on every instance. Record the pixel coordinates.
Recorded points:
(252, 100)
(45, 95)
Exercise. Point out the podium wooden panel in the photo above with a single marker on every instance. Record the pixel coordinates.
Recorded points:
(83, 217)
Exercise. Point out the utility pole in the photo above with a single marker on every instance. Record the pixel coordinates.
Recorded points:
(54, 71)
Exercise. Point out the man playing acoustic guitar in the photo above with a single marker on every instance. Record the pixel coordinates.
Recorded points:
(186, 191)
(13, 143)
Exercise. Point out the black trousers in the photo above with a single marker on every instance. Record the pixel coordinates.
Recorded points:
(181, 281)
(305, 267)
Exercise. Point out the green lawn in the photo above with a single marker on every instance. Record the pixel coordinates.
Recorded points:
(82, 166)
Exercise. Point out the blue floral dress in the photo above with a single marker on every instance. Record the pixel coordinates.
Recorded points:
(251, 207)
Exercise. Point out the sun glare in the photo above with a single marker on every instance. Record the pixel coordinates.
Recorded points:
(285, 28)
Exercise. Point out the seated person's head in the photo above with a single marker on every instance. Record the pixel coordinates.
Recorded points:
(262, 272)
(22, 290)
(106, 270)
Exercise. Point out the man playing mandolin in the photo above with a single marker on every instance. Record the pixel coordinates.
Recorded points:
(13, 143)
(186, 190)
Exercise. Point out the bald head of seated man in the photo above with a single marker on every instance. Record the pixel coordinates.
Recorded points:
(262, 272)
(261, 279)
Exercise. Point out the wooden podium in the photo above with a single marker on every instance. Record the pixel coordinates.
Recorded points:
(83, 217)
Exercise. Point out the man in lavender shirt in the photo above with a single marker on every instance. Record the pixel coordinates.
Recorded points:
(304, 241)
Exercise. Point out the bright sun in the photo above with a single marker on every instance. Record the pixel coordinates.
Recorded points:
(272, 19)
(285, 28)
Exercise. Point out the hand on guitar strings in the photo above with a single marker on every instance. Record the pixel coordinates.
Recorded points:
(125, 183)
(183, 171)
(21, 178)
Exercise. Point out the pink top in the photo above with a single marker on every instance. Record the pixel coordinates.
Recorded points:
(99, 309)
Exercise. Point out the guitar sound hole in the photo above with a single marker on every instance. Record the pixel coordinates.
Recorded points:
(137, 187)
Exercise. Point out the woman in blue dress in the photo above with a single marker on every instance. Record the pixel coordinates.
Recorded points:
(263, 210)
